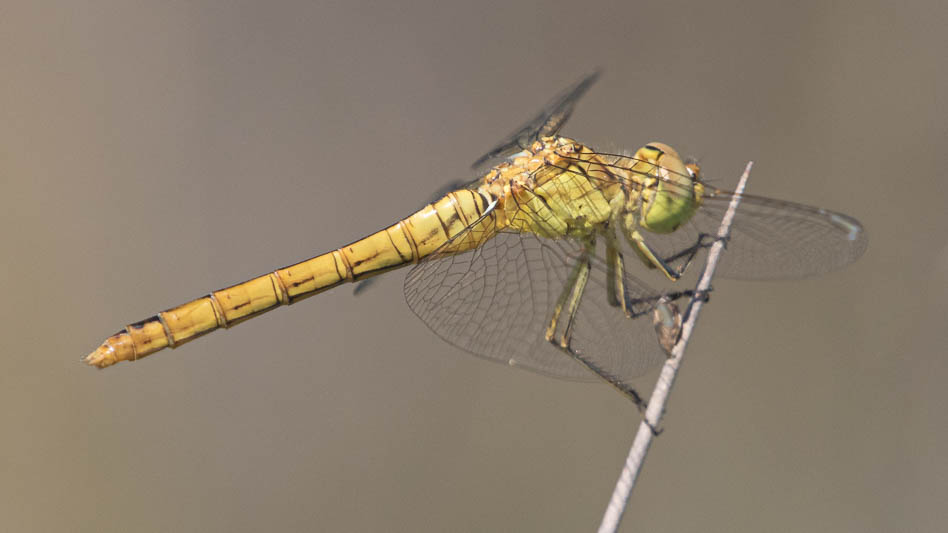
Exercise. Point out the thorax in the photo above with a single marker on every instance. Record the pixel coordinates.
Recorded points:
(556, 188)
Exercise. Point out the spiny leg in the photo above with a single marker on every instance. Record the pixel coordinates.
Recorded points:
(619, 296)
(579, 286)
(616, 288)
(652, 259)
(561, 300)
(615, 270)
(666, 318)
(705, 240)
(570, 298)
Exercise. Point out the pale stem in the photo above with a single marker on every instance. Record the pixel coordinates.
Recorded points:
(656, 404)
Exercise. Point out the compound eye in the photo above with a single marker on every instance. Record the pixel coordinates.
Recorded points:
(652, 146)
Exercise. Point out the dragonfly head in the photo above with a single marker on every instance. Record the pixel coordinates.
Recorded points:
(664, 157)
(672, 191)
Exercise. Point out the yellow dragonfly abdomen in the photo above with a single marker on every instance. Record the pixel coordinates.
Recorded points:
(406, 242)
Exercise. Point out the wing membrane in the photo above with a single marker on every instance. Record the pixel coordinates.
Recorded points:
(496, 301)
(775, 239)
(770, 239)
(545, 124)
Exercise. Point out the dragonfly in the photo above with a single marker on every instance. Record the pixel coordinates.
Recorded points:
(529, 264)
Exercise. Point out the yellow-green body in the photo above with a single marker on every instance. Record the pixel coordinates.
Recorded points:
(557, 189)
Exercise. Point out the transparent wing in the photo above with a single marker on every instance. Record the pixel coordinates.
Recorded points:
(770, 239)
(545, 124)
(497, 300)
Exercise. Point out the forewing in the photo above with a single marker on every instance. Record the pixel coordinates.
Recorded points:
(548, 122)
(770, 239)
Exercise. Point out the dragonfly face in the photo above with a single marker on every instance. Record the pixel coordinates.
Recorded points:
(671, 192)
(661, 193)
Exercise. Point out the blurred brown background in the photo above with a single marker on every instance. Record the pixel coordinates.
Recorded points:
(151, 152)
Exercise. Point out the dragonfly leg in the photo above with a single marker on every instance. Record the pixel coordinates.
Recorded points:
(615, 286)
(705, 240)
(617, 383)
(561, 301)
(579, 286)
(569, 299)
(615, 271)
(651, 258)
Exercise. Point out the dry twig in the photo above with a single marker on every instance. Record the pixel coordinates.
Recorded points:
(656, 404)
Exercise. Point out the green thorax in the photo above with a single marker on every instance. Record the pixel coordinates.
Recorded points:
(558, 188)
